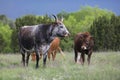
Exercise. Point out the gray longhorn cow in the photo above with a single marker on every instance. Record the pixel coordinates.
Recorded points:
(38, 38)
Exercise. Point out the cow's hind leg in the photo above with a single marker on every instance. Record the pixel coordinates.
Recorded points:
(23, 56)
(23, 59)
(27, 59)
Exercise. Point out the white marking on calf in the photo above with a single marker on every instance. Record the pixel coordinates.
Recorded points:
(84, 47)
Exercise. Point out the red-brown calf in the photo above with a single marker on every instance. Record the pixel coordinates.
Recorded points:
(83, 43)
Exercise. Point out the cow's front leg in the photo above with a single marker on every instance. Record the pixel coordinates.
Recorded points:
(45, 49)
(27, 59)
(37, 58)
(44, 59)
(23, 56)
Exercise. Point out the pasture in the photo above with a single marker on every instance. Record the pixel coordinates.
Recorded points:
(104, 66)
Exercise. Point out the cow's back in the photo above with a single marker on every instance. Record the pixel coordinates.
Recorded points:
(27, 36)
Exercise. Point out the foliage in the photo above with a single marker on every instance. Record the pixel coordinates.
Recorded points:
(7, 21)
(101, 23)
(14, 41)
(2, 43)
(31, 20)
(106, 33)
(5, 38)
(81, 21)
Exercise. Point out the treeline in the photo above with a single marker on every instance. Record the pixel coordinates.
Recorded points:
(106, 33)
(102, 24)
(6, 27)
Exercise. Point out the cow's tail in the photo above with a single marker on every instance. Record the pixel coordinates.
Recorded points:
(60, 50)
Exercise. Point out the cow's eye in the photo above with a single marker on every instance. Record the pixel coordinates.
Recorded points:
(60, 23)
(61, 26)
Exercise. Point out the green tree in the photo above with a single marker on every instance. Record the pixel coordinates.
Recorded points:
(106, 33)
(7, 21)
(2, 43)
(5, 32)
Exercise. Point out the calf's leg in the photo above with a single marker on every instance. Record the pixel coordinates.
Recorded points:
(89, 57)
(54, 55)
(76, 55)
(82, 58)
(49, 53)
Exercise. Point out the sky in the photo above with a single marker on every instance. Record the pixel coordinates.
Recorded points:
(17, 8)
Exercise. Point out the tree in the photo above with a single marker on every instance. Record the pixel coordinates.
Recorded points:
(2, 43)
(5, 32)
(106, 33)
(7, 21)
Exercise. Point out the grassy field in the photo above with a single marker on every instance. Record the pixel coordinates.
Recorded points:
(104, 66)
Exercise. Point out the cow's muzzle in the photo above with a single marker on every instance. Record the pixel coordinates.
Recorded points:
(66, 34)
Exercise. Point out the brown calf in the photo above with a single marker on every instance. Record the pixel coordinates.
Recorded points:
(54, 47)
(83, 43)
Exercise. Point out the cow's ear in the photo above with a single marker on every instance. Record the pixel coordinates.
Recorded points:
(86, 34)
(61, 19)
(55, 24)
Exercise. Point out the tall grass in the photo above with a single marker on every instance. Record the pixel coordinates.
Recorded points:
(104, 66)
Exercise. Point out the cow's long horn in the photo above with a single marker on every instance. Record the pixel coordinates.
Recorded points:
(56, 19)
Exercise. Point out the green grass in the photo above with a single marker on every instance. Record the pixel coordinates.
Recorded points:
(104, 66)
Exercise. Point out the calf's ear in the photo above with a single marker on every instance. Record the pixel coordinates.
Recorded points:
(91, 38)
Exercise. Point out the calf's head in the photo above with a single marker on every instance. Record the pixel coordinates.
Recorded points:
(87, 40)
(59, 28)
